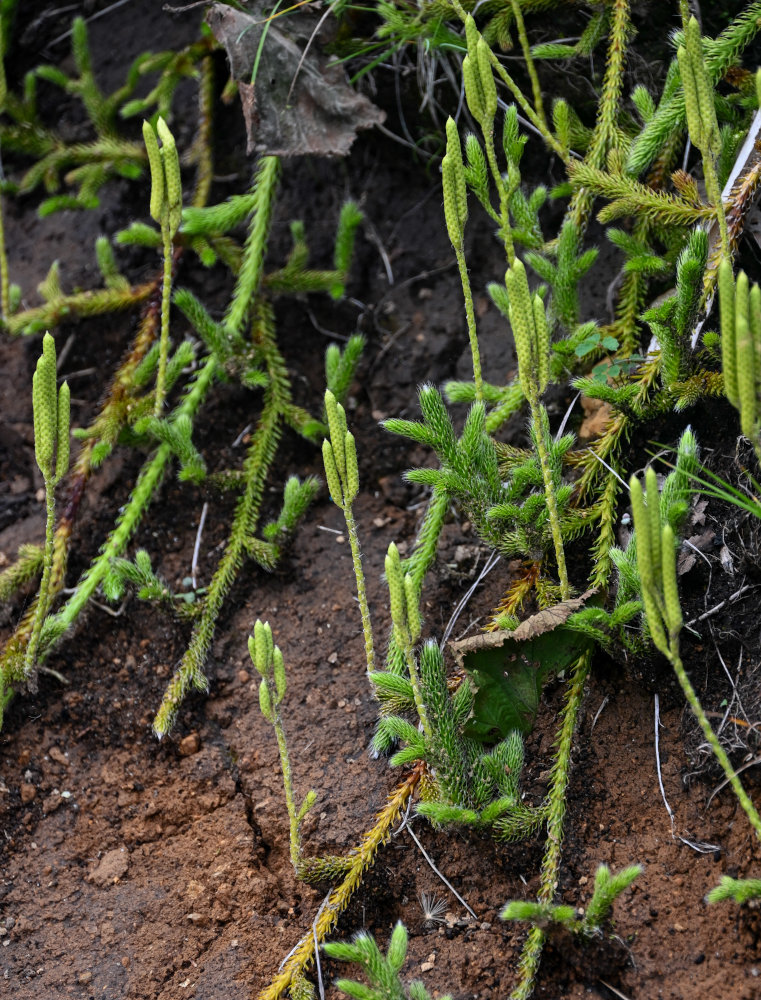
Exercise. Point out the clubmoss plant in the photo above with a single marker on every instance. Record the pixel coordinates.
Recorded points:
(656, 562)
(339, 456)
(382, 970)
(51, 450)
(166, 209)
(87, 166)
(268, 660)
(739, 890)
(700, 109)
(607, 889)
(740, 308)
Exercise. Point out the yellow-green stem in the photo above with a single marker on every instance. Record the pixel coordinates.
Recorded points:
(689, 692)
(714, 195)
(356, 558)
(42, 599)
(530, 65)
(471, 317)
(504, 213)
(409, 655)
(166, 294)
(549, 492)
(290, 801)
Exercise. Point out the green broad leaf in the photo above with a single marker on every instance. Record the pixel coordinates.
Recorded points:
(509, 669)
(610, 343)
(585, 347)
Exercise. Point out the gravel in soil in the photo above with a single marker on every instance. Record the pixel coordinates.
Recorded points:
(132, 868)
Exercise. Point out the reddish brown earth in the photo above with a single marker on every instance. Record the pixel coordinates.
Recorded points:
(132, 868)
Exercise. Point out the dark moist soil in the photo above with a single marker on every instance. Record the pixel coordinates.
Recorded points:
(133, 868)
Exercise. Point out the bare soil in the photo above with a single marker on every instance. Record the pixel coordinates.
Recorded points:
(160, 871)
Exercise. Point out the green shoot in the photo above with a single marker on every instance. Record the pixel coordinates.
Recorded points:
(382, 970)
(656, 561)
(166, 209)
(268, 660)
(339, 456)
(51, 449)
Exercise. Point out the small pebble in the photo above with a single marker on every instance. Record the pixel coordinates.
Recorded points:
(28, 792)
(190, 744)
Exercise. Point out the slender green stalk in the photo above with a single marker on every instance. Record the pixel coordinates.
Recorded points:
(339, 456)
(42, 602)
(166, 298)
(359, 576)
(530, 65)
(504, 197)
(470, 314)
(290, 798)
(714, 194)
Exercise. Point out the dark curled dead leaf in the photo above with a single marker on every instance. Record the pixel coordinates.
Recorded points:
(297, 104)
(541, 622)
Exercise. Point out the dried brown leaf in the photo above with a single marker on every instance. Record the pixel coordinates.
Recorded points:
(297, 104)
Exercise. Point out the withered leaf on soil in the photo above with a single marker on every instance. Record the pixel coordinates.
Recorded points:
(509, 668)
(294, 107)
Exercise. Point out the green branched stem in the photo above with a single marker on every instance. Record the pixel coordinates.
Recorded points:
(260, 456)
(145, 488)
(250, 275)
(605, 134)
(80, 304)
(359, 859)
(359, 576)
(427, 540)
(557, 803)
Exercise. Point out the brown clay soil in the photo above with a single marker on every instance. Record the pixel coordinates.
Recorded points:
(161, 871)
